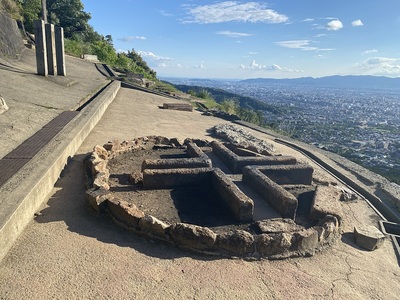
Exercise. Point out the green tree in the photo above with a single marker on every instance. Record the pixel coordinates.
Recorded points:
(70, 15)
(140, 65)
(31, 11)
(105, 52)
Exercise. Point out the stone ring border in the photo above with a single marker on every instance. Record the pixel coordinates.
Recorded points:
(289, 240)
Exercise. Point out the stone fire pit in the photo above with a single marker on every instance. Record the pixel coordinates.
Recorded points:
(214, 198)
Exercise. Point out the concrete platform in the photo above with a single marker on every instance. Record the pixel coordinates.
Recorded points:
(68, 252)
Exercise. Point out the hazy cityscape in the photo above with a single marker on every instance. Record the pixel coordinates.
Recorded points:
(360, 124)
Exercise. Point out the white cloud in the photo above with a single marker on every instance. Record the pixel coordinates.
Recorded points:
(301, 44)
(166, 14)
(380, 66)
(253, 53)
(357, 23)
(308, 20)
(369, 52)
(152, 56)
(128, 39)
(233, 34)
(255, 66)
(334, 25)
(234, 11)
(200, 66)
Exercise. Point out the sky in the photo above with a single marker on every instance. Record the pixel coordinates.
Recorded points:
(255, 39)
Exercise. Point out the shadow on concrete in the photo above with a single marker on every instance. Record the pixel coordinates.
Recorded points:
(348, 238)
(13, 69)
(68, 204)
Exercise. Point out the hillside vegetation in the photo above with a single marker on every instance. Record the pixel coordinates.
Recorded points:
(80, 37)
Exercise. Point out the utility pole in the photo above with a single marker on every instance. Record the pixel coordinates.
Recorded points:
(44, 11)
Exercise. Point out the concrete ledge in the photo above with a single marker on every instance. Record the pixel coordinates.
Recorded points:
(26, 191)
(237, 163)
(284, 202)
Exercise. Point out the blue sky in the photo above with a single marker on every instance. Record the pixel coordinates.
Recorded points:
(252, 39)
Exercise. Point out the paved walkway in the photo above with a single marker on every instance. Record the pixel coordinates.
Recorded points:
(68, 252)
(34, 100)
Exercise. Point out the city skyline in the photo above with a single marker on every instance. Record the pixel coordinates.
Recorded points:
(252, 39)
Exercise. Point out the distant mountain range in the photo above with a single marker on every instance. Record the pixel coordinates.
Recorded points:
(350, 81)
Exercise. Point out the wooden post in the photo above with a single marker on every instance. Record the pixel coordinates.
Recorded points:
(60, 54)
(40, 45)
(51, 49)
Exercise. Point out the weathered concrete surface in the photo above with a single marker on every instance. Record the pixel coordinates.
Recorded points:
(34, 100)
(69, 252)
(23, 194)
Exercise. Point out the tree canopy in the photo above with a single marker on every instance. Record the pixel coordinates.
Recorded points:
(70, 15)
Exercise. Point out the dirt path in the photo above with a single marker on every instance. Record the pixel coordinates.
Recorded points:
(68, 252)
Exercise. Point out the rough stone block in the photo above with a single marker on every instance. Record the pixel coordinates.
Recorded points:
(113, 146)
(246, 152)
(192, 236)
(96, 198)
(241, 206)
(273, 244)
(368, 237)
(101, 152)
(284, 202)
(238, 243)
(242, 162)
(326, 202)
(153, 226)
(289, 174)
(278, 226)
(307, 241)
(194, 151)
(125, 213)
(178, 106)
(101, 180)
(237, 163)
(175, 163)
(171, 178)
